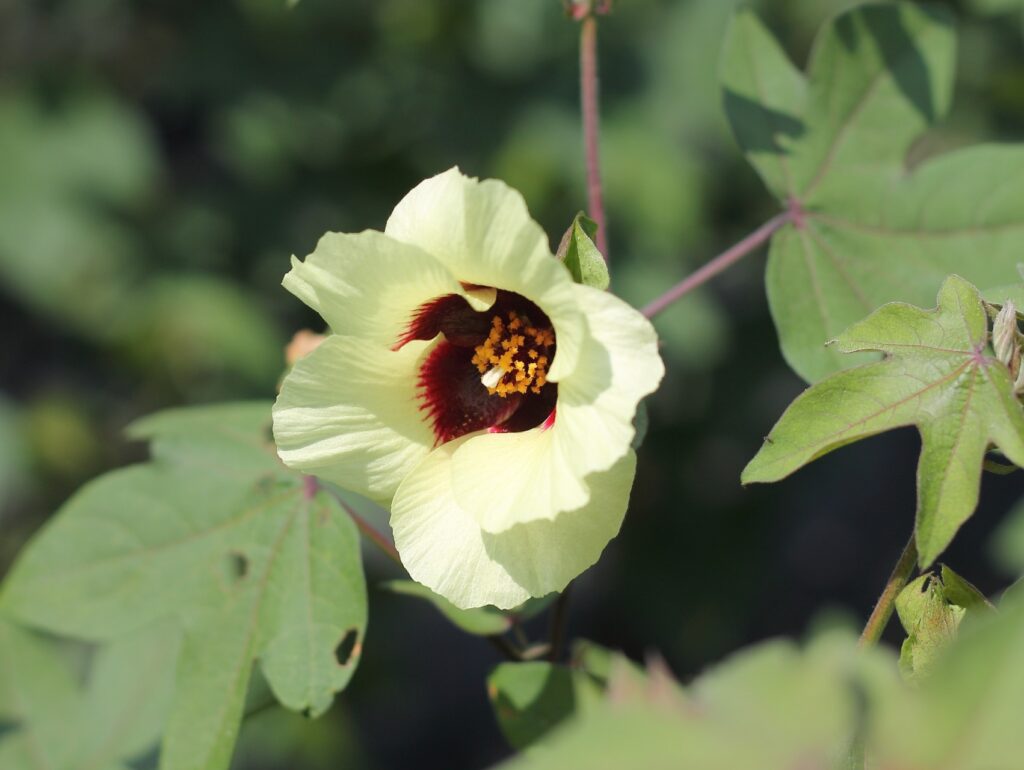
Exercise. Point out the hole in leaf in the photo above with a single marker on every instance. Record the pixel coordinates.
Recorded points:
(347, 647)
(8, 726)
(146, 761)
(236, 567)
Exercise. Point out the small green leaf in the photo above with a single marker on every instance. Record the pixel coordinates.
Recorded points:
(580, 255)
(216, 532)
(937, 376)
(483, 621)
(833, 148)
(602, 663)
(962, 593)
(530, 699)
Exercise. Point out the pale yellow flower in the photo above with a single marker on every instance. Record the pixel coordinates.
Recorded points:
(473, 388)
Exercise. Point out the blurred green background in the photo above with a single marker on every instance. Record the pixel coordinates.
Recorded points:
(160, 161)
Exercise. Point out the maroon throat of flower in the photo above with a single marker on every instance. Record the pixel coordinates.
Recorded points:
(489, 370)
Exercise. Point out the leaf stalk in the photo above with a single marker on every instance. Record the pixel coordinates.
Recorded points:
(883, 610)
(726, 259)
(379, 539)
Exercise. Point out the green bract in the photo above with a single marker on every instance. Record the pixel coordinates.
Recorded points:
(939, 376)
(495, 495)
(833, 148)
(930, 610)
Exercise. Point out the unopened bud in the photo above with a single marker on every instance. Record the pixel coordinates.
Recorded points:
(1004, 335)
(303, 343)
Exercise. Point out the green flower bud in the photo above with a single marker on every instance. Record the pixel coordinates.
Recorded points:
(1005, 334)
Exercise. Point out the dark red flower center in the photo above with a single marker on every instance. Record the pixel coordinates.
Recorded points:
(489, 371)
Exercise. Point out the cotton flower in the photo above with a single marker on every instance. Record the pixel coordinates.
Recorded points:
(471, 387)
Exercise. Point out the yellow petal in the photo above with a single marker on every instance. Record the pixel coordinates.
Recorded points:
(348, 412)
(482, 232)
(444, 548)
(368, 285)
(505, 479)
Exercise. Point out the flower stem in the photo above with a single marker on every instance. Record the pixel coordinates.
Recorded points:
(724, 260)
(559, 621)
(508, 650)
(591, 126)
(887, 601)
(376, 537)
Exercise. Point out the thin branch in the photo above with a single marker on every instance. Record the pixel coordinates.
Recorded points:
(591, 127)
(379, 539)
(505, 647)
(887, 601)
(559, 621)
(724, 260)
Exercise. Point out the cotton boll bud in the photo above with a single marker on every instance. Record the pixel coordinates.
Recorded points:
(1004, 336)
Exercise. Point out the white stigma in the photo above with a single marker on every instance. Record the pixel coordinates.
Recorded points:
(492, 377)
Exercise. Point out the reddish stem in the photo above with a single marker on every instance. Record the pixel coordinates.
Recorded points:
(724, 260)
(591, 126)
(379, 539)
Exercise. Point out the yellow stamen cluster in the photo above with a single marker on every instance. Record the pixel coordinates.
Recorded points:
(521, 353)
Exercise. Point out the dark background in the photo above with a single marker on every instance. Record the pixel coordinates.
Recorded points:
(160, 161)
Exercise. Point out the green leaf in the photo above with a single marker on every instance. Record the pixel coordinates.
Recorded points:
(116, 718)
(961, 593)
(215, 532)
(602, 663)
(770, 706)
(530, 699)
(580, 255)
(937, 376)
(482, 621)
(833, 147)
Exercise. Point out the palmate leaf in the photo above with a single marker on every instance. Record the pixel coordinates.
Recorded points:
(833, 146)
(937, 376)
(215, 533)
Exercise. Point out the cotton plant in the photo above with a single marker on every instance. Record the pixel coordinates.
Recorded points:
(486, 390)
